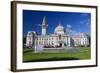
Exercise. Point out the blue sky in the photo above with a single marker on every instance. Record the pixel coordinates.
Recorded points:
(77, 22)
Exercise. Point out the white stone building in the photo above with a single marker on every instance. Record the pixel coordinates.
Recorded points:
(58, 39)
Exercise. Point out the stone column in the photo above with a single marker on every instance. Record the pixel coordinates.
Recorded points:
(69, 42)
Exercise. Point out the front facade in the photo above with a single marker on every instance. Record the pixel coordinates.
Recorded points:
(58, 39)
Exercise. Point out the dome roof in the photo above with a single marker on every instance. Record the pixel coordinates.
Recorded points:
(59, 29)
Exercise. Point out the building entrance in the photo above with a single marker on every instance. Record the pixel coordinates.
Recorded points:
(61, 43)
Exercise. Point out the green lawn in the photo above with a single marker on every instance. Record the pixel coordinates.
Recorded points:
(30, 56)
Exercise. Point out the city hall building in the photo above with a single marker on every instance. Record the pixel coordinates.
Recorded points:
(57, 39)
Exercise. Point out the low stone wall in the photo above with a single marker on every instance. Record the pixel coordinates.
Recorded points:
(40, 48)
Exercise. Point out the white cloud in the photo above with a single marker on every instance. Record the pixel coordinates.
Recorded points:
(81, 22)
(88, 23)
(39, 25)
(69, 26)
(71, 32)
(85, 22)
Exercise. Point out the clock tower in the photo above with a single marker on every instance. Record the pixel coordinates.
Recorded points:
(44, 26)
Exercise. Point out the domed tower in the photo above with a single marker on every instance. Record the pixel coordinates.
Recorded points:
(59, 30)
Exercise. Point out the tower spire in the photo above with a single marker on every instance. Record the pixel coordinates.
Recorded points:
(44, 21)
(44, 26)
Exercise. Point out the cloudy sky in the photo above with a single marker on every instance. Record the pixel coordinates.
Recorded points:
(76, 22)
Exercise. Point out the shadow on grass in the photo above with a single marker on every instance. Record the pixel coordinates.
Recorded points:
(52, 59)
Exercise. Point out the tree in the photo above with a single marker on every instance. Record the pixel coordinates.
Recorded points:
(24, 40)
